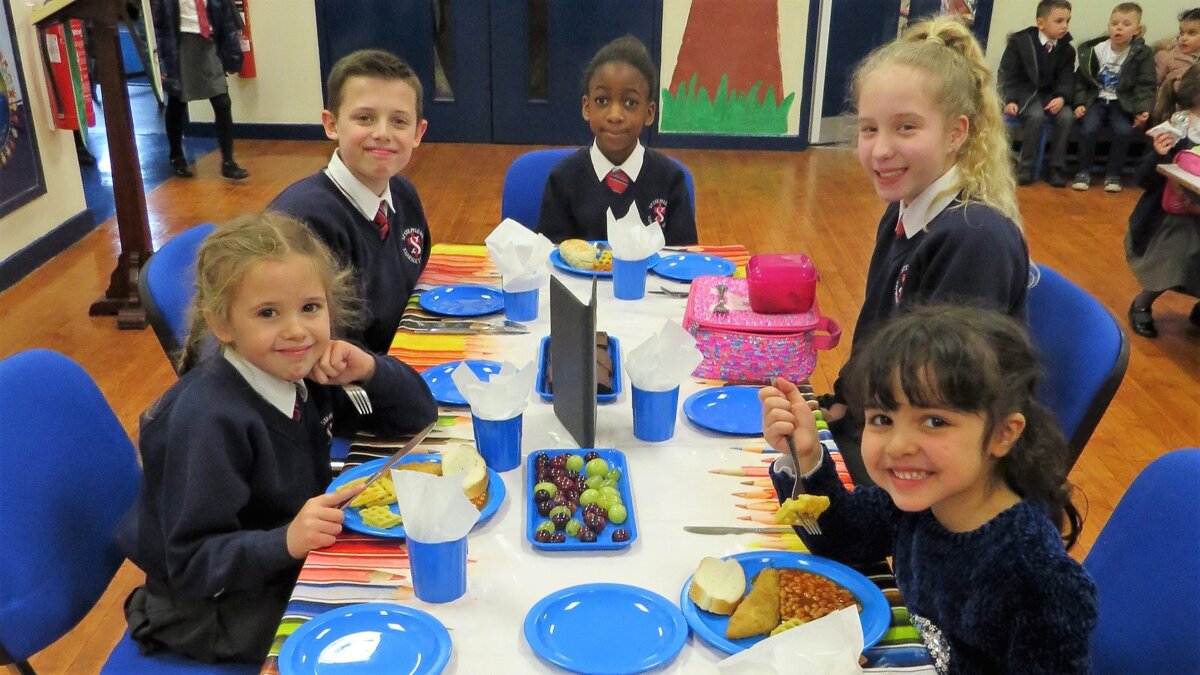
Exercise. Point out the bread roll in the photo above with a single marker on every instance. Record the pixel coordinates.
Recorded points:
(578, 253)
(718, 585)
(464, 459)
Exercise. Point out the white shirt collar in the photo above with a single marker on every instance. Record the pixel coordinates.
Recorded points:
(1044, 40)
(632, 165)
(281, 394)
(928, 205)
(366, 201)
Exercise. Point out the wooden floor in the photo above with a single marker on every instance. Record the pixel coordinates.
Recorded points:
(816, 202)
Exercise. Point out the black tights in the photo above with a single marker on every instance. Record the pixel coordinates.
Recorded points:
(223, 120)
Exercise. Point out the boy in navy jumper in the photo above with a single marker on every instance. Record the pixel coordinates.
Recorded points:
(1114, 87)
(617, 171)
(1037, 79)
(359, 205)
(236, 453)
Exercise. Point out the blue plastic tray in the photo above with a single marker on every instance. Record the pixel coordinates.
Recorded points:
(604, 542)
(614, 353)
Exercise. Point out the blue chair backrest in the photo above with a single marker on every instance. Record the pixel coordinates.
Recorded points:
(166, 287)
(70, 473)
(1083, 351)
(1144, 565)
(525, 182)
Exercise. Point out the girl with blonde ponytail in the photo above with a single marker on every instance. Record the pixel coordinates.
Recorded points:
(931, 139)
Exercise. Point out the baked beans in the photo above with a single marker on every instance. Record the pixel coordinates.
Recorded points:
(806, 596)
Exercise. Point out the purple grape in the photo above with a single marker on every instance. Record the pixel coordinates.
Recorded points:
(558, 538)
(620, 534)
(543, 508)
(560, 520)
(540, 460)
(596, 523)
(559, 462)
(541, 495)
(541, 536)
(586, 535)
(590, 456)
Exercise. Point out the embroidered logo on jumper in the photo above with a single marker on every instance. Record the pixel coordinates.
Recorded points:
(658, 213)
(935, 642)
(327, 422)
(898, 293)
(413, 244)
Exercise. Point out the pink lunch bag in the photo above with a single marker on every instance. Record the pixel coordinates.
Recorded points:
(741, 345)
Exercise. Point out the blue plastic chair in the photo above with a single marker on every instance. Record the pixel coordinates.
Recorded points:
(74, 475)
(1015, 124)
(1144, 566)
(1084, 353)
(525, 182)
(166, 286)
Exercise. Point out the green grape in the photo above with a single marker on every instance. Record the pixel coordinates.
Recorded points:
(610, 490)
(551, 488)
(614, 475)
(572, 527)
(597, 467)
(575, 463)
(606, 501)
(617, 514)
(588, 496)
(560, 509)
(547, 527)
(594, 482)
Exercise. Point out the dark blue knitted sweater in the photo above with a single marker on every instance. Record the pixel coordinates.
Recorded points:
(1004, 598)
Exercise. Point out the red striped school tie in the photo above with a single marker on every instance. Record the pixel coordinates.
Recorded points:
(299, 403)
(900, 227)
(202, 18)
(617, 181)
(381, 219)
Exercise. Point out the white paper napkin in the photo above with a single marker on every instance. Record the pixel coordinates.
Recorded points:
(520, 254)
(664, 359)
(830, 645)
(434, 508)
(502, 397)
(630, 238)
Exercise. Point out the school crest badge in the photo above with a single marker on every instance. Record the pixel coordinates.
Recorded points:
(658, 212)
(413, 243)
(898, 292)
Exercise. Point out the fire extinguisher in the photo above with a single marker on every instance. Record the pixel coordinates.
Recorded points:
(248, 70)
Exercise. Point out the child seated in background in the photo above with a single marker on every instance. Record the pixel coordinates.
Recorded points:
(359, 205)
(1114, 87)
(617, 172)
(1172, 61)
(236, 453)
(1036, 79)
(972, 501)
(1163, 249)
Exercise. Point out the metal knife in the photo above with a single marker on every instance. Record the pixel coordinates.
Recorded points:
(457, 330)
(705, 529)
(404, 450)
(429, 323)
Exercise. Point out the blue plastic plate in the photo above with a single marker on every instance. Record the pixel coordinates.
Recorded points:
(605, 629)
(614, 353)
(443, 387)
(556, 259)
(466, 300)
(727, 410)
(876, 614)
(604, 542)
(687, 266)
(373, 637)
(353, 521)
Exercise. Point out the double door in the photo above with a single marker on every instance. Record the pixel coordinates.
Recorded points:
(500, 71)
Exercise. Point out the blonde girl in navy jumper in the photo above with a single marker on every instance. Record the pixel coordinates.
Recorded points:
(932, 141)
(971, 501)
(236, 453)
(617, 172)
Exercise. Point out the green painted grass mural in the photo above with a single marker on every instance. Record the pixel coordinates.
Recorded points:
(690, 109)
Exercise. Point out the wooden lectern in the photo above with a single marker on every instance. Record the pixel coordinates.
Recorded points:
(102, 16)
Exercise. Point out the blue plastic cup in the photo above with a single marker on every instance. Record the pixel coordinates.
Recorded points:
(522, 306)
(629, 278)
(654, 414)
(439, 571)
(499, 441)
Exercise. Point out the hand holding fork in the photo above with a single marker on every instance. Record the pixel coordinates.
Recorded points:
(786, 418)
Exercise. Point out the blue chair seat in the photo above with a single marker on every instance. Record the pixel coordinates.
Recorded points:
(126, 659)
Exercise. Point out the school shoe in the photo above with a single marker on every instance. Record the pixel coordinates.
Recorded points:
(1112, 184)
(1142, 321)
(179, 165)
(1057, 178)
(1025, 178)
(232, 171)
(1082, 181)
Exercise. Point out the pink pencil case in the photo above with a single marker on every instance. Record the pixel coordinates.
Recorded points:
(741, 345)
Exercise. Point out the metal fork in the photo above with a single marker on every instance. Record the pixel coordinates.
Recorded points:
(720, 307)
(807, 522)
(358, 396)
(670, 293)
